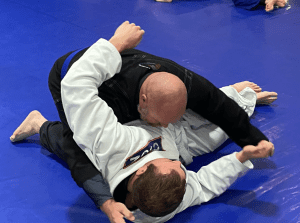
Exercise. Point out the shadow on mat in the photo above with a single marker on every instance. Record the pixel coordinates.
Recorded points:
(247, 199)
(84, 210)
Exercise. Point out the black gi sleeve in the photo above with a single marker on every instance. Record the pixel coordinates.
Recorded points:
(97, 189)
(211, 103)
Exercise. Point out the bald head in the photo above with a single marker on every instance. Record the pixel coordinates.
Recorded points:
(163, 99)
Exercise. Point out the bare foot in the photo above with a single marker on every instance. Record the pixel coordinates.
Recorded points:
(271, 3)
(30, 126)
(266, 97)
(281, 3)
(242, 85)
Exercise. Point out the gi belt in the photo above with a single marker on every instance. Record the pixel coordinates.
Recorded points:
(65, 66)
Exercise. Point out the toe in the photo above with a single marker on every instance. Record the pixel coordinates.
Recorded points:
(273, 94)
(271, 8)
(12, 138)
(268, 7)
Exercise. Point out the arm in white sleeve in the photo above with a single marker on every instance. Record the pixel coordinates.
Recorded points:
(87, 114)
(213, 180)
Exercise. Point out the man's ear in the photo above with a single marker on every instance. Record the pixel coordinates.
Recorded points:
(141, 170)
(143, 101)
(134, 177)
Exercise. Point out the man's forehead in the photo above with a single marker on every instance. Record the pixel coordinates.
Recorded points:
(167, 163)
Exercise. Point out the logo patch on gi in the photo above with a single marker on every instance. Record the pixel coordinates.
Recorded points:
(151, 66)
(152, 145)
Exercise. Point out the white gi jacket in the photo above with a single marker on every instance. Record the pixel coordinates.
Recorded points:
(118, 150)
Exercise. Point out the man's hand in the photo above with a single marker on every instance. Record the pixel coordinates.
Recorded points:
(127, 36)
(116, 211)
(262, 150)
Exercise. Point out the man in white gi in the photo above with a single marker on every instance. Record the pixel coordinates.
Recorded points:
(127, 152)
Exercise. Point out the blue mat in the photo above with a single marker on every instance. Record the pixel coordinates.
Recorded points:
(213, 38)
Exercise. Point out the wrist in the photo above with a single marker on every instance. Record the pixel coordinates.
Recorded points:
(117, 44)
(105, 205)
(242, 157)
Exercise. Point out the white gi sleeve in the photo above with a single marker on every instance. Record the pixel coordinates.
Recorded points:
(87, 114)
(212, 180)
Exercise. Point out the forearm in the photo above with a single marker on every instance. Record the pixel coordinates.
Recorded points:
(98, 190)
(212, 104)
(213, 180)
(219, 175)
